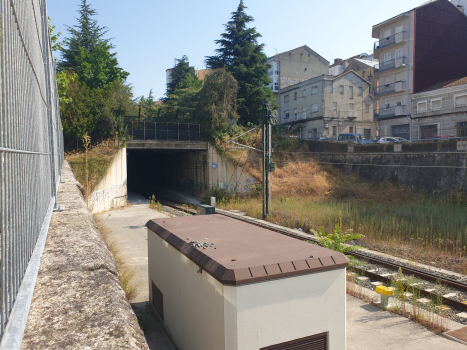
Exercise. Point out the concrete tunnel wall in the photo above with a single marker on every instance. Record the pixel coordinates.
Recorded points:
(193, 171)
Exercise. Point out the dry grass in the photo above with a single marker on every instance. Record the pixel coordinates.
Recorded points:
(99, 159)
(125, 272)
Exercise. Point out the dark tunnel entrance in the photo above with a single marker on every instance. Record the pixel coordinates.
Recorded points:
(158, 171)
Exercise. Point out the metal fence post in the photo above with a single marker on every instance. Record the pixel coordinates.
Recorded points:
(144, 130)
(155, 131)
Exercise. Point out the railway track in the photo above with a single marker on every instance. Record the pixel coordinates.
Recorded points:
(423, 275)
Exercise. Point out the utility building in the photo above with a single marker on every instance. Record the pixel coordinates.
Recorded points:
(220, 283)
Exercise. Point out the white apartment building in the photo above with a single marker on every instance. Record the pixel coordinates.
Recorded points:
(294, 66)
(440, 111)
(325, 106)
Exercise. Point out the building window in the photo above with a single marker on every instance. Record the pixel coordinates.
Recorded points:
(295, 114)
(315, 133)
(363, 74)
(367, 108)
(427, 131)
(351, 129)
(286, 98)
(421, 107)
(305, 69)
(360, 91)
(398, 101)
(304, 112)
(286, 115)
(367, 133)
(294, 95)
(334, 130)
(330, 88)
(399, 53)
(303, 92)
(350, 109)
(334, 106)
(436, 105)
(276, 72)
(314, 108)
(314, 90)
(387, 104)
(387, 58)
(462, 129)
(310, 134)
(350, 91)
(341, 89)
(461, 101)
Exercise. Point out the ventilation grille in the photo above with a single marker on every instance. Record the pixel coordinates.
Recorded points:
(315, 342)
(158, 300)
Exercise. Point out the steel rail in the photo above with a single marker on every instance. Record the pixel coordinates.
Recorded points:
(424, 275)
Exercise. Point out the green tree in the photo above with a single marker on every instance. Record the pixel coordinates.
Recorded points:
(217, 108)
(87, 53)
(243, 56)
(183, 77)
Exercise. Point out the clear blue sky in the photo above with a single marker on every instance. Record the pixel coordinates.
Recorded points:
(149, 34)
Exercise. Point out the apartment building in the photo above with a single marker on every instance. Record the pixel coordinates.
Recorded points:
(340, 66)
(294, 66)
(325, 106)
(440, 111)
(416, 50)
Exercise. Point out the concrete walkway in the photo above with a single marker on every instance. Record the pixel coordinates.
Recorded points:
(129, 233)
(369, 328)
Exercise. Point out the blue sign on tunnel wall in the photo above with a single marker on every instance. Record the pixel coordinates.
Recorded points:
(214, 165)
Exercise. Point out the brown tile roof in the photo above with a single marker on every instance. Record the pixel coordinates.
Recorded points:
(447, 83)
(236, 252)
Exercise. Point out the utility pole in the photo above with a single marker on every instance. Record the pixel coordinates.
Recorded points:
(268, 166)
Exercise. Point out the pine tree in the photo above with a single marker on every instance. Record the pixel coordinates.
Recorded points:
(243, 56)
(183, 77)
(87, 53)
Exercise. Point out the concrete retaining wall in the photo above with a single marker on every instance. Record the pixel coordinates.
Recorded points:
(200, 171)
(112, 190)
(78, 302)
(432, 167)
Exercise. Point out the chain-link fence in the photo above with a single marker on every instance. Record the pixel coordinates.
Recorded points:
(31, 154)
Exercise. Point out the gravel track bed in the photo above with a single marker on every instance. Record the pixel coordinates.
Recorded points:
(438, 289)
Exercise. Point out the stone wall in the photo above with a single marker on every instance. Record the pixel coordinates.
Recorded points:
(432, 167)
(78, 302)
(112, 190)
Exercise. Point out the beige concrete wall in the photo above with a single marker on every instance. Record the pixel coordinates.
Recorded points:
(112, 190)
(193, 302)
(277, 311)
(226, 175)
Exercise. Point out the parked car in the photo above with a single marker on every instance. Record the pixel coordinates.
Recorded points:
(348, 137)
(446, 137)
(362, 140)
(391, 140)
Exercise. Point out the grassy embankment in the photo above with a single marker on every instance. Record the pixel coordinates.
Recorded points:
(99, 158)
(394, 219)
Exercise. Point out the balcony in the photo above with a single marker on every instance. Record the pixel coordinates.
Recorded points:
(388, 112)
(390, 40)
(391, 64)
(389, 88)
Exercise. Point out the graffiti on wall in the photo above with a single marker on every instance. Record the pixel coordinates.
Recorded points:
(108, 193)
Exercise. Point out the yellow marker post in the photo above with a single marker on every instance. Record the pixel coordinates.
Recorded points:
(385, 292)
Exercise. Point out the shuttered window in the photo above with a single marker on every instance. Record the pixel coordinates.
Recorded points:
(435, 105)
(461, 101)
(315, 342)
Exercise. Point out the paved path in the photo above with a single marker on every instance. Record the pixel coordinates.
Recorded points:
(129, 233)
(370, 328)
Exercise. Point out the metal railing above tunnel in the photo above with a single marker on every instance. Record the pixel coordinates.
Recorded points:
(161, 131)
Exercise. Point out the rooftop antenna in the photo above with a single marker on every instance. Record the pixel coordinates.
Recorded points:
(275, 48)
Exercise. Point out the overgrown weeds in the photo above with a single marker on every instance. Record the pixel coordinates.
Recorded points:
(125, 272)
(408, 303)
(90, 167)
